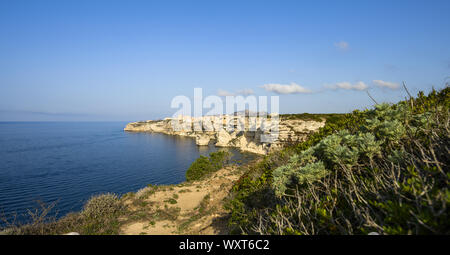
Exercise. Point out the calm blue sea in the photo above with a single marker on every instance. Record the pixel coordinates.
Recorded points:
(68, 162)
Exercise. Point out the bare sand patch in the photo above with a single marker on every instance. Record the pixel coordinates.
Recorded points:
(188, 208)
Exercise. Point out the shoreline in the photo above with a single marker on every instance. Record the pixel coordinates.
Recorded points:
(198, 189)
(289, 130)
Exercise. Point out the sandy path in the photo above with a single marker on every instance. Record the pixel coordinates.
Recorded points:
(188, 208)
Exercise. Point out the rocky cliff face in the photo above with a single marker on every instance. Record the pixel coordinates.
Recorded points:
(249, 139)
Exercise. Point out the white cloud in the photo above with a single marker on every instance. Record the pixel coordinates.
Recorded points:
(386, 84)
(293, 88)
(342, 45)
(244, 92)
(349, 86)
(224, 93)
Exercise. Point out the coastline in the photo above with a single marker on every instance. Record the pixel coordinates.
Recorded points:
(52, 224)
(189, 207)
(248, 140)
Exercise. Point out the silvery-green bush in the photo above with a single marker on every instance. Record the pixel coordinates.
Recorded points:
(398, 184)
(384, 126)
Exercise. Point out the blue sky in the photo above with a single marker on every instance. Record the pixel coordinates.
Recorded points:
(126, 60)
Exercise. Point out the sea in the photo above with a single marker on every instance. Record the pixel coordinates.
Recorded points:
(63, 164)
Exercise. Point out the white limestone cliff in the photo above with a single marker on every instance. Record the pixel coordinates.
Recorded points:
(249, 140)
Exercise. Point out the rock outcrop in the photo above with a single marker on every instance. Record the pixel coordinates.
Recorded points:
(255, 135)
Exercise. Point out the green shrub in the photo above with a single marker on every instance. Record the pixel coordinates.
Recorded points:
(206, 165)
(292, 174)
(171, 201)
(219, 158)
(307, 116)
(199, 168)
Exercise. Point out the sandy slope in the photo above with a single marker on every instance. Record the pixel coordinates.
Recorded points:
(188, 208)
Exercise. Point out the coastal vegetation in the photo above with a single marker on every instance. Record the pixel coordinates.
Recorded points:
(206, 165)
(382, 170)
(308, 116)
(99, 216)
